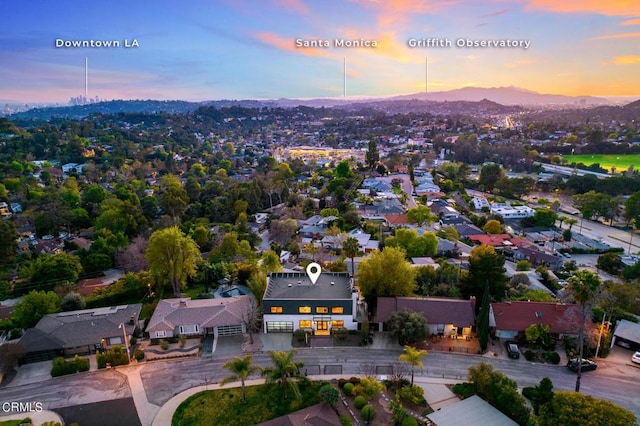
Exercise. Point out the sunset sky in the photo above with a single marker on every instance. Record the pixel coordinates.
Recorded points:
(218, 49)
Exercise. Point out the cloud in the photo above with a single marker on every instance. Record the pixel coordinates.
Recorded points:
(627, 60)
(294, 5)
(394, 12)
(631, 22)
(288, 44)
(617, 36)
(491, 15)
(609, 7)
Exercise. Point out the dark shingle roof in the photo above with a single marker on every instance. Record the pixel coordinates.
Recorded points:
(80, 328)
(437, 310)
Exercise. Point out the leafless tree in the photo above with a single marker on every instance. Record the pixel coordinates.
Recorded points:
(131, 259)
(252, 318)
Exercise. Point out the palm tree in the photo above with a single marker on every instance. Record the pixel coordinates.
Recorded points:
(570, 221)
(241, 368)
(413, 356)
(583, 286)
(285, 371)
(351, 248)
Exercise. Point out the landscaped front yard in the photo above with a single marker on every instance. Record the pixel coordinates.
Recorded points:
(225, 406)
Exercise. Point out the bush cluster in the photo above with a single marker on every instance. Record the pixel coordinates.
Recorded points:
(348, 388)
(360, 402)
(116, 356)
(63, 367)
(412, 395)
(138, 355)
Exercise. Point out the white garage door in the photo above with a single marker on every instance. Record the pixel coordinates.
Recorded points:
(229, 330)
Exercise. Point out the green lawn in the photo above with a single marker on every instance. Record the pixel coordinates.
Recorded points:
(225, 407)
(620, 162)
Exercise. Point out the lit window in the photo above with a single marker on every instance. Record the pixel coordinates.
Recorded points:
(305, 323)
(337, 324)
(337, 310)
(304, 309)
(322, 310)
(276, 309)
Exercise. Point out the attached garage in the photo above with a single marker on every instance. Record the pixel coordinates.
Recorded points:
(279, 326)
(229, 330)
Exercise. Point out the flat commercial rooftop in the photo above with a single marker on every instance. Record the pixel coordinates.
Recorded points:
(297, 285)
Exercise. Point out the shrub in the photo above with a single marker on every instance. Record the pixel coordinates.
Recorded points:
(82, 364)
(360, 402)
(183, 340)
(329, 394)
(299, 335)
(164, 345)
(345, 421)
(553, 357)
(115, 356)
(409, 421)
(412, 395)
(464, 390)
(342, 382)
(348, 388)
(529, 355)
(355, 380)
(61, 367)
(133, 341)
(368, 412)
(138, 355)
(523, 265)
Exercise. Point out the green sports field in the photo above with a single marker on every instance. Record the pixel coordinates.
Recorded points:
(620, 162)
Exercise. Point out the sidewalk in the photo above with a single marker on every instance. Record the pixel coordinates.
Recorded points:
(146, 410)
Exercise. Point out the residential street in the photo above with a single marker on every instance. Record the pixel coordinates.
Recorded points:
(615, 379)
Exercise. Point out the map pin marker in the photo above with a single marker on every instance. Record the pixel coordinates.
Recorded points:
(313, 271)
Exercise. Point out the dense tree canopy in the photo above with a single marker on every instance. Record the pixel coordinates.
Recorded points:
(486, 267)
(408, 327)
(386, 273)
(34, 306)
(172, 257)
(573, 408)
(413, 244)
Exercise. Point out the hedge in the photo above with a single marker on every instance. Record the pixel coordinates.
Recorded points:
(62, 367)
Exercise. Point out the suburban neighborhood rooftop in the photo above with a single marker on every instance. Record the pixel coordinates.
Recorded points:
(297, 285)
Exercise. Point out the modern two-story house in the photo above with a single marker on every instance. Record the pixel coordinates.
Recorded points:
(292, 301)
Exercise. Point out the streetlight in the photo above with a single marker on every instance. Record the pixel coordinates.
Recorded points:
(126, 341)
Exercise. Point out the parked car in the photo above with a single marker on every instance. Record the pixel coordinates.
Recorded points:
(635, 358)
(512, 349)
(587, 365)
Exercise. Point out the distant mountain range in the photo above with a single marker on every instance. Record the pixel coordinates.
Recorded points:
(506, 96)
(494, 98)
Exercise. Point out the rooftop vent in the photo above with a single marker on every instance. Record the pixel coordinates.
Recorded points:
(332, 283)
(289, 285)
(183, 302)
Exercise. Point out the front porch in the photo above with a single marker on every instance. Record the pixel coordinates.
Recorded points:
(452, 343)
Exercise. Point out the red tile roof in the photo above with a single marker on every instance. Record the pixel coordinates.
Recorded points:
(397, 219)
(563, 318)
(495, 240)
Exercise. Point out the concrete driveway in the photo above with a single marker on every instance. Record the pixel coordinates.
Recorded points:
(32, 373)
(228, 345)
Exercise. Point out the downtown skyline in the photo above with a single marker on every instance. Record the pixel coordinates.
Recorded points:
(217, 49)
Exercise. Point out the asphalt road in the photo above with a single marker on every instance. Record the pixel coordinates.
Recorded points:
(614, 380)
